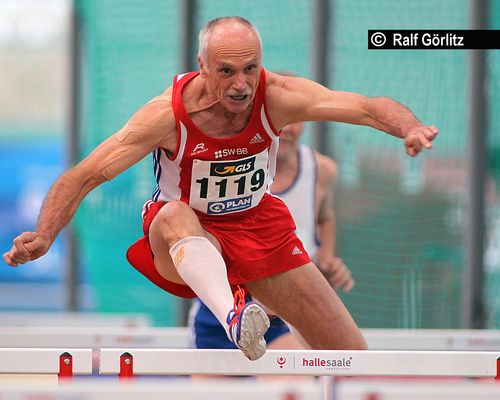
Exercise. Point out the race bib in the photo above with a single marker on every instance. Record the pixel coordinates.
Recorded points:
(223, 187)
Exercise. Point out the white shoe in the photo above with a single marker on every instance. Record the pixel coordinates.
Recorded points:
(248, 323)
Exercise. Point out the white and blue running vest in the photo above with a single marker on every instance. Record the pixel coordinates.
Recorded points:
(300, 197)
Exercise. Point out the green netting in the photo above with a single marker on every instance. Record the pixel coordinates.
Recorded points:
(130, 54)
(400, 226)
(492, 252)
(285, 28)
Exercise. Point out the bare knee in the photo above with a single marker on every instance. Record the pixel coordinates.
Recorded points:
(175, 221)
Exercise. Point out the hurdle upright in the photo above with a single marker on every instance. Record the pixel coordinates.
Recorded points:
(63, 363)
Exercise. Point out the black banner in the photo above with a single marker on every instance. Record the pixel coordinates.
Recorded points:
(433, 39)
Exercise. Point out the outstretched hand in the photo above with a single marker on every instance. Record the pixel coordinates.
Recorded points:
(27, 246)
(420, 138)
(336, 273)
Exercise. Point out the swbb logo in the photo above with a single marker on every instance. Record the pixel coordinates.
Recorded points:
(231, 152)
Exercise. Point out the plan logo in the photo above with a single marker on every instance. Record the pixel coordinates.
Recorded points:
(216, 207)
(230, 205)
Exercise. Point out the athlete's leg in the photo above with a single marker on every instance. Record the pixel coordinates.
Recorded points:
(184, 254)
(303, 297)
(177, 233)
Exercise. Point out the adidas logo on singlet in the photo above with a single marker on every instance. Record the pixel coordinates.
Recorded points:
(256, 139)
(296, 251)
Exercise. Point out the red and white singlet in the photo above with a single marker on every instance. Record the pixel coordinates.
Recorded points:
(217, 176)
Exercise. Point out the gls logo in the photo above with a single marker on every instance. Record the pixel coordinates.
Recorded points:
(231, 152)
(230, 168)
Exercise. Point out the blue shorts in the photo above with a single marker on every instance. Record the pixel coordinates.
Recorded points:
(208, 333)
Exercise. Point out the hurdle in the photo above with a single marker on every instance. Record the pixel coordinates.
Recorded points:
(419, 390)
(73, 319)
(94, 337)
(433, 339)
(177, 337)
(135, 362)
(37, 361)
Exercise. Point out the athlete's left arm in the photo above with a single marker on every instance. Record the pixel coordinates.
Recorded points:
(332, 267)
(293, 99)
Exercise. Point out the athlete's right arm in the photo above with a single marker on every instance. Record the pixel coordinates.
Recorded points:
(151, 127)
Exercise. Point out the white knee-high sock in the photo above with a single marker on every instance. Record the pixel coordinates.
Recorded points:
(202, 267)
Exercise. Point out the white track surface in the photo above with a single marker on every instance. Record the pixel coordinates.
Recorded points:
(147, 337)
(43, 361)
(178, 390)
(304, 362)
(252, 390)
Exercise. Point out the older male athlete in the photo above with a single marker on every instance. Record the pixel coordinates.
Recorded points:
(212, 223)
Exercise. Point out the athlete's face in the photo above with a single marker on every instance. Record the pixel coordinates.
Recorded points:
(232, 66)
(289, 140)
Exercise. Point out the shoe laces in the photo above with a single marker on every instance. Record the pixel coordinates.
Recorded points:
(239, 303)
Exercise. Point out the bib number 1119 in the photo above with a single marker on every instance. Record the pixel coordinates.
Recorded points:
(257, 180)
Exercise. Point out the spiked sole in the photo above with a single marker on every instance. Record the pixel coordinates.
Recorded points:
(254, 325)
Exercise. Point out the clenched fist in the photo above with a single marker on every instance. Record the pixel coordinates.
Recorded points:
(27, 246)
(419, 138)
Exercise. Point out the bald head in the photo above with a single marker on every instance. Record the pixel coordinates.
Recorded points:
(230, 61)
(226, 29)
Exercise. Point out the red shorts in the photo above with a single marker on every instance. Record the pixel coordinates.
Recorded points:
(254, 246)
